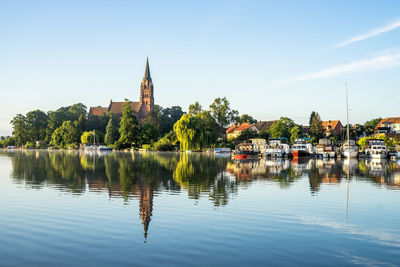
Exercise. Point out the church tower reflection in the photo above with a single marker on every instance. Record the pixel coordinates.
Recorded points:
(145, 205)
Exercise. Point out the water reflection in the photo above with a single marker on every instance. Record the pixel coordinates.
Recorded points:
(217, 178)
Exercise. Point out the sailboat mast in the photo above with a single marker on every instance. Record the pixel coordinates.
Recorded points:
(347, 113)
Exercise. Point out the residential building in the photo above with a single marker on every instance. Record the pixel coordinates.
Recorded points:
(390, 125)
(235, 130)
(332, 127)
(264, 125)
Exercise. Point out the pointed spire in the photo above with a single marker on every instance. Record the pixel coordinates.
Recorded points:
(147, 70)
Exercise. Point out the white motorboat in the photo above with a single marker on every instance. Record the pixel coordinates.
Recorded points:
(277, 147)
(301, 148)
(376, 149)
(325, 148)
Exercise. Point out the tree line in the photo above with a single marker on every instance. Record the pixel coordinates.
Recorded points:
(161, 129)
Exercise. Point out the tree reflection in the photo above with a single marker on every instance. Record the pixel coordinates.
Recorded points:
(140, 175)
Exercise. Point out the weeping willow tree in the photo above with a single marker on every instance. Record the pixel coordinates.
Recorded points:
(191, 133)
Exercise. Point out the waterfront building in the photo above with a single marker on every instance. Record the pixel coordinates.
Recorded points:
(141, 108)
(334, 127)
(235, 130)
(390, 125)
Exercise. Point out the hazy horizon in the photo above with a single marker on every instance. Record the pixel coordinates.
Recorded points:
(269, 59)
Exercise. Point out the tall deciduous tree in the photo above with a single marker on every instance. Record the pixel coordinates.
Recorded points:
(245, 118)
(222, 113)
(282, 128)
(129, 126)
(36, 123)
(369, 126)
(20, 132)
(195, 109)
(168, 117)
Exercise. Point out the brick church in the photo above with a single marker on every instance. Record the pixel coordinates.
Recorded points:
(141, 108)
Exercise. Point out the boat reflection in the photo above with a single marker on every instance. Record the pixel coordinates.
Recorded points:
(141, 176)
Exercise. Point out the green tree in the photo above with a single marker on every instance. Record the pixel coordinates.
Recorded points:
(168, 117)
(311, 117)
(70, 113)
(222, 113)
(88, 137)
(295, 132)
(36, 124)
(282, 128)
(195, 109)
(148, 134)
(245, 118)
(316, 128)
(20, 132)
(369, 126)
(167, 142)
(128, 126)
(77, 110)
(246, 135)
(65, 135)
(265, 134)
(111, 133)
(153, 117)
(191, 132)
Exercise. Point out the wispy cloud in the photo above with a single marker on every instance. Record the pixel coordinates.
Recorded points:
(370, 34)
(376, 63)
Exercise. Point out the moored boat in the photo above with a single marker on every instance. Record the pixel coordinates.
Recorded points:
(301, 148)
(278, 147)
(376, 149)
(222, 150)
(349, 149)
(325, 148)
(104, 148)
(245, 151)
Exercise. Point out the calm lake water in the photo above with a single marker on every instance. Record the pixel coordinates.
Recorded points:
(94, 209)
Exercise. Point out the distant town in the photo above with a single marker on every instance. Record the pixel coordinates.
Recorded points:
(146, 126)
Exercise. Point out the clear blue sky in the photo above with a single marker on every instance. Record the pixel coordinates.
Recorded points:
(271, 59)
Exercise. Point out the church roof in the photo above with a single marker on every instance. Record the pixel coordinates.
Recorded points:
(116, 107)
(147, 70)
(98, 111)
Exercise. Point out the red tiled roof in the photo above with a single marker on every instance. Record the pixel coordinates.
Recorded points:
(243, 126)
(332, 124)
(388, 120)
(239, 127)
(231, 128)
(98, 111)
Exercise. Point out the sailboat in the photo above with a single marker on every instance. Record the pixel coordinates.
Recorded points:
(349, 148)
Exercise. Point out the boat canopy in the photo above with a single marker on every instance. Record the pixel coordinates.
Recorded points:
(325, 141)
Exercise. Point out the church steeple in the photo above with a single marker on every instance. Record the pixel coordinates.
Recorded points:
(146, 91)
(147, 70)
